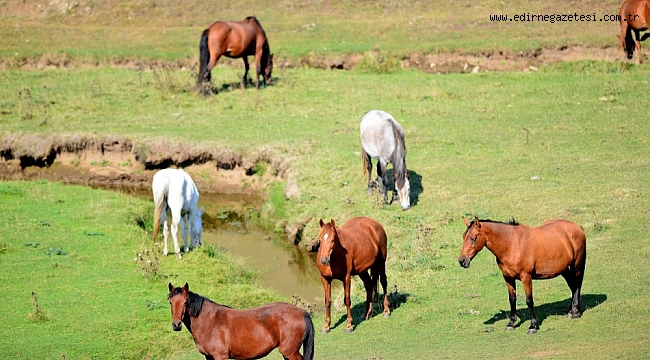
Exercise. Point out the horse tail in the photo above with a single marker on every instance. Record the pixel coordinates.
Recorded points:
(204, 57)
(156, 216)
(308, 338)
(364, 161)
(399, 155)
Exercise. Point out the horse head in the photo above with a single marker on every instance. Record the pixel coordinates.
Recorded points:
(268, 68)
(178, 300)
(473, 242)
(328, 239)
(403, 189)
(628, 45)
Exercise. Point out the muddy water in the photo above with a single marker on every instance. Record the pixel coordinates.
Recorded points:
(226, 224)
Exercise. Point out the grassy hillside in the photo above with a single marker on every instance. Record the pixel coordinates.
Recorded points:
(118, 29)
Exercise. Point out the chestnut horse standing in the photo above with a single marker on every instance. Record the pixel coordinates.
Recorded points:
(220, 332)
(634, 16)
(235, 39)
(352, 249)
(557, 247)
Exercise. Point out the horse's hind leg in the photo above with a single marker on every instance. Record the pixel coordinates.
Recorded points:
(184, 224)
(575, 284)
(368, 284)
(380, 270)
(369, 168)
(527, 281)
(638, 45)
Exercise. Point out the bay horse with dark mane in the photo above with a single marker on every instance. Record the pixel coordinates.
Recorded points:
(353, 249)
(634, 16)
(382, 138)
(235, 39)
(220, 332)
(557, 247)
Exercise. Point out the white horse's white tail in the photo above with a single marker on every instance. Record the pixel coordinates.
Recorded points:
(159, 196)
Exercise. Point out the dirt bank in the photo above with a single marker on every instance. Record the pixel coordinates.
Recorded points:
(116, 161)
(456, 62)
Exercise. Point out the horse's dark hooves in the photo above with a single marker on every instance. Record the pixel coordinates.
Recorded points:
(324, 330)
(349, 329)
(532, 331)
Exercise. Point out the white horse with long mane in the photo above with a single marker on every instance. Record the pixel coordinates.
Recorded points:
(174, 189)
(382, 138)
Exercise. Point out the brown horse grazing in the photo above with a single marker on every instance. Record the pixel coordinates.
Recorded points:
(557, 247)
(634, 16)
(223, 333)
(352, 249)
(235, 39)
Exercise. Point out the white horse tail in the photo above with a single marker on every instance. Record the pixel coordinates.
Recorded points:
(364, 161)
(156, 217)
(160, 188)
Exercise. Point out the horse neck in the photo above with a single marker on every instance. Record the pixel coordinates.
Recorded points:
(498, 237)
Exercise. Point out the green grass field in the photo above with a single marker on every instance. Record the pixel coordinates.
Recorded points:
(568, 141)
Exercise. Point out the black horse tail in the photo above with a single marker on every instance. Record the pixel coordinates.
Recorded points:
(308, 339)
(204, 59)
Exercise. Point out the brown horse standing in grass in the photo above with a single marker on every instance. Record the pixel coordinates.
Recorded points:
(220, 332)
(634, 16)
(353, 249)
(557, 247)
(235, 39)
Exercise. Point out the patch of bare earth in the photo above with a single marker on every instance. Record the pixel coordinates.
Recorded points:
(456, 62)
(114, 161)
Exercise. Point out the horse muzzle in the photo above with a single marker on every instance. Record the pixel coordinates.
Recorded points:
(177, 326)
(325, 261)
(464, 262)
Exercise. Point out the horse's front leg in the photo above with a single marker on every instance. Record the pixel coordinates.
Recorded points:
(369, 168)
(348, 302)
(528, 289)
(327, 286)
(368, 284)
(512, 298)
(382, 179)
(244, 80)
(638, 45)
(174, 229)
(184, 224)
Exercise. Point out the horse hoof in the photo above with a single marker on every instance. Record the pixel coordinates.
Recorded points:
(349, 330)
(363, 318)
(179, 256)
(510, 328)
(573, 315)
(532, 331)
(386, 314)
(324, 330)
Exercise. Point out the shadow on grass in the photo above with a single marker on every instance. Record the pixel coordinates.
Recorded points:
(395, 298)
(249, 84)
(587, 302)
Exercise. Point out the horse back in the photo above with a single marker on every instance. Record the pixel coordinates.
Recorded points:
(236, 39)
(365, 241)
(635, 14)
(380, 134)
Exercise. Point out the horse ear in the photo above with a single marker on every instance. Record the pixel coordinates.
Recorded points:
(171, 288)
(333, 223)
(186, 288)
(466, 221)
(477, 223)
(321, 223)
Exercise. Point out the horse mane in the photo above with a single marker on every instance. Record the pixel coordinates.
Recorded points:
(512, 221)
(194, 301)
(399, 157)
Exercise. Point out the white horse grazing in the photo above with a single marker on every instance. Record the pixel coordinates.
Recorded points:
(175, 189)
(382, 138)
